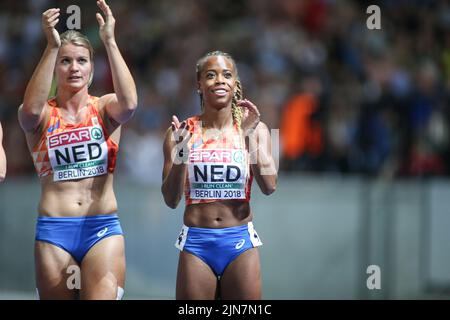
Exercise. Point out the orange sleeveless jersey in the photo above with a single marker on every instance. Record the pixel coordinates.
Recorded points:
(218, 168)
(73, 147)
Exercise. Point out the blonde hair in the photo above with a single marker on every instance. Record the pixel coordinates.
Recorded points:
(78, 39)
(236, 111)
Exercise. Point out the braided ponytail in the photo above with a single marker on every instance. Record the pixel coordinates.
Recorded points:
(237, 111)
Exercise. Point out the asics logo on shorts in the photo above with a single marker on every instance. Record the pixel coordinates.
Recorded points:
(180, 237)
(240, 244)
(102, 232)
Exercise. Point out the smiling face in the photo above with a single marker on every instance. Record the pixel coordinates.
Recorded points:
(217, 81)
(73, 67)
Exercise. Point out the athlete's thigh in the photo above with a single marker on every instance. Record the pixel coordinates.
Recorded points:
(103, 269)
(52, 272)
(242, 278)
(195, 279)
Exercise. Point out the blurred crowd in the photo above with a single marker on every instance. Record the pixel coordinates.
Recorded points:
(346, 99)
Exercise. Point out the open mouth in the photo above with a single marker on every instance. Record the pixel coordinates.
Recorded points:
(220, 92)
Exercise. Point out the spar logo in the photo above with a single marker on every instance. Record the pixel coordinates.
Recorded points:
(223, 156)
(211, 166)
(77, 146)
(96, 133)
(238, 156)
(69, 137)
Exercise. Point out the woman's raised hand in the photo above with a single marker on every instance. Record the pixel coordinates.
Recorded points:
(106, 25)
(181, 135)
(251, 115)
(49, 21)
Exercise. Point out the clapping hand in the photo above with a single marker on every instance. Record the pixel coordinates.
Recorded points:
(49, 21)
(181, 135)
(251, 115)
(106, 25)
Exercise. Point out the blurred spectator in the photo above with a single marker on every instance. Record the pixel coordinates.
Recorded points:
(372, 102)
(300, 128)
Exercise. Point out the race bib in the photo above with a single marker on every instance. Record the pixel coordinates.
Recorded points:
(79, 153)
(217, 174)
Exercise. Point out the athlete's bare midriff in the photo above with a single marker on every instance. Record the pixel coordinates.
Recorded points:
(85, 197)
(218, 214)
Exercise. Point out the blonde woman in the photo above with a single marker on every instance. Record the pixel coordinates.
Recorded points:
(74, 139)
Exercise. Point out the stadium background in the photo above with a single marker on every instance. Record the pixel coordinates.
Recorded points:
(364, 123)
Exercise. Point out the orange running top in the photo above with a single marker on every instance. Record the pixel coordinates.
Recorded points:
(75, 151)
(218, 167)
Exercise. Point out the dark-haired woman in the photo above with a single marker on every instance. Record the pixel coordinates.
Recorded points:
(212, 158)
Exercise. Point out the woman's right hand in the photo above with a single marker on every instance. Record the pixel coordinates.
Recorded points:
(181, 136)
(49, 21)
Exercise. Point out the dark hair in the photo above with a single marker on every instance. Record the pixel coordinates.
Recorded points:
(236, 111)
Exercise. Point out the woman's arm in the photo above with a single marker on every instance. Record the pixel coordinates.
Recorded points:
(2, 157)
(121, 104)
(175, 168)
(36, 94)
(262, 163)
(259, 145)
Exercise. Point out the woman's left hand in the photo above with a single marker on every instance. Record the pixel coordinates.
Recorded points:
(106, 27)
(251, 116)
